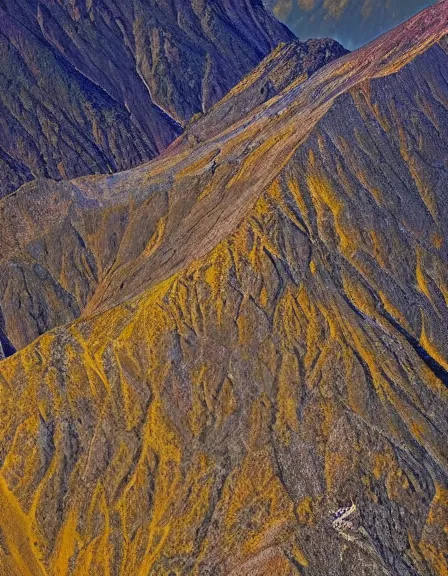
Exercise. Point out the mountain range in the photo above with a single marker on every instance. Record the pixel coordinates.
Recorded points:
(231, 360)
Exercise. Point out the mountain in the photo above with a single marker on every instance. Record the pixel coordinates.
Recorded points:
(292, 62)
(257, 383)
(352, 22)
(50, 265)
(102, 86)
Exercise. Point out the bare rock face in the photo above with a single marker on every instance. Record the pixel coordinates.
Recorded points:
(353, 22)
(96, 87)
(257, 383)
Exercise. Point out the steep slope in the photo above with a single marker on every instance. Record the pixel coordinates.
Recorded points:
(293, 62)
(266, 394)
(102, 86)
(352, 22)
(50, 266)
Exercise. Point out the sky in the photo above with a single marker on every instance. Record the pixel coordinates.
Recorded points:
(351, 22)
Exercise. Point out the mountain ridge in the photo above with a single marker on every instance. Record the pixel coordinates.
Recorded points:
(33, 199)
(100, 185)
(267, 407)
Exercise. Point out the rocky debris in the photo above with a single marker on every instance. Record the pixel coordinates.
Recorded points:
(343, 523)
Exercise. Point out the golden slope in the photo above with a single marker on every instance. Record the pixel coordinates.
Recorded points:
(221, 418)
(285, 363)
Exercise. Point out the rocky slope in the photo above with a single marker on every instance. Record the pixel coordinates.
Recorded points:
(51, 264)
(102, 86)
(293, 62)
(353, 22)
(258, 383)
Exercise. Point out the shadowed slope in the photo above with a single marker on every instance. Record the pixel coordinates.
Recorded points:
(103, 86)
(270, 399)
